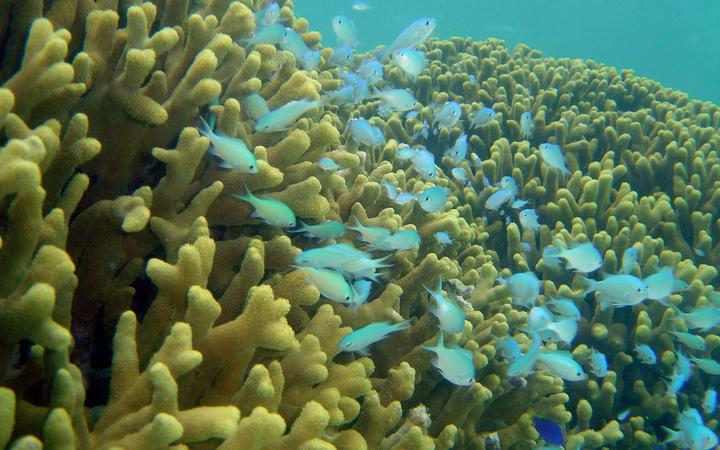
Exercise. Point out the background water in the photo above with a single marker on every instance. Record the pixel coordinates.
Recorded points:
(674, 42)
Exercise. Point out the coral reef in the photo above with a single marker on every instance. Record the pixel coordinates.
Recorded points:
(142, 307)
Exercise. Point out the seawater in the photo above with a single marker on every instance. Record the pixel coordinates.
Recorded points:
(676, 43)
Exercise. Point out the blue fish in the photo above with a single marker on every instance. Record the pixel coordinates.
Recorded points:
(549, 430)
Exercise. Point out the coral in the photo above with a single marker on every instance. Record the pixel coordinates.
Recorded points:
(143, 307)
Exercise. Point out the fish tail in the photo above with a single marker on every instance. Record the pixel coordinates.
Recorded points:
(404, 325)
(246, 195)
(204, 127)
(590, 285)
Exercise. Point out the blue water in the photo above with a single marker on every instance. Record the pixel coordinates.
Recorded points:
(674, 42)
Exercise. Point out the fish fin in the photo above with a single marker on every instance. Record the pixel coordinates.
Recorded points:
(589, 284)
(204, 128)
(224, 164)
(363, 351)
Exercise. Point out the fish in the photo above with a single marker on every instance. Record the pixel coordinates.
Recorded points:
(562, 365)
(359, 5)
(365, 133)
(283, 117)
(709, 401)
(645, 354)
(231, 150)
(327, 164)
(598, 363)
(345, 31)
(359, 340)
(705, 318)
(272, 35)
(461, 176)
(676, 382)
(564, 307)
(361, 292)
(524, 365)
(707, 365)
(268, 15)
(549, 431)
(342, 56)
(524, 288)
(292, 42)
(458, 151)
(443, 238)
(372, 71)
(509, 349)
(412, 36)
(691, 341)
(424, 163)
(455, 364)
(330, 283)
(371, 235)
(330, 229)
(448, 115)
(508, 183)
(411, 62)
(683, 364)
(433, 199)
(526, 125)
(271, 211)
(618, 290)
(539, 317)
(450, 315)
(660, 284)
(582, 258)
(391, 189)
(404, 198)
(255, 106)
(562, 330)
(692, 433)
(400, 240)
(519, 204)
(529, 221)
(343, 258)
(482, 117)
(552, 156)
(499, 198)
(397, 99)
(629, 259)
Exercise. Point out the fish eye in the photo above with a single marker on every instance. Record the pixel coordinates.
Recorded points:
(427, 23)
(427, 198)
(347, 298)
(470, 380)
(252, 166)
(347, 344)
(639, 289)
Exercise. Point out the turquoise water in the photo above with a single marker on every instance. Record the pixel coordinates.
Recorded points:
(674, 42)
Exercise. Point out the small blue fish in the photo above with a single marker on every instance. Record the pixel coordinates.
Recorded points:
(372, 71)
(562, 365)
(707, 365)
(529, 221)
(231, 150)
(458, 151)
(345, 32)
(450, 315)
(583, 258)
(703, 318)
(411, 62)
(412, 36)
(283, 117)
(371, 235)
(330, 283)
(272, 35)
(519, 204)
(397, 99)
(391, 189)
(549, 431)
(359, 5)
(564, 307)
(454, 363)
(499, 198)
(618, 290)
(292, 42)
(360, 340)
(691, 341)
(327, 164)
(343, 258)
(483, 117)
(271, 211)
(660, 284)
(524, 288)
(255, 106)
(342, 56)
(400, 240)
(629, 259)
(443, 238)
(709, 401)
(448, 115)
(363, 132)
(268, 15)
(553, 157)
(523, 366)
(645, 354)
(692, 433)
(330, 229)
(509, 349)
(526, 125)
(461, 176)
(424, 163)
(433, 199)
(598, 363)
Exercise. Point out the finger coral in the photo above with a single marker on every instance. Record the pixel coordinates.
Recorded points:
(144, 305)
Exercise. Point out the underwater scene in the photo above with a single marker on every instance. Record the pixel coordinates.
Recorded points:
(267, 224)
